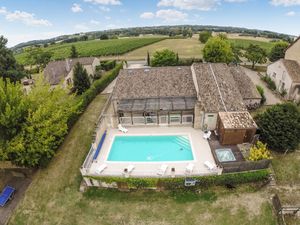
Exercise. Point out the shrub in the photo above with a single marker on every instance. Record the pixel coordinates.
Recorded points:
(165, 57)
(280, 127)
(259, 151)
(262, 94)
(178, 183)
(218, 50)
(108, 65)
(270, 83)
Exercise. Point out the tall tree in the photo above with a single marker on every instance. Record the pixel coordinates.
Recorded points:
(164, 57)
(218, 50)
(13, 108)
(8, 65)
(148, 59)
(44, 128)
(37, 56)
(278, 51)
(74, 53)
(255, 54)
(81, 81)
(280, 127)
(204, 36)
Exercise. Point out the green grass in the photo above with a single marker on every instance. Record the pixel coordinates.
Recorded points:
(54, 197)
(95, 47)
(287, 168)
(243, 43)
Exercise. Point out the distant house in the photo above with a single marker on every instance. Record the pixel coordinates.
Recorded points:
(293, 51)
(182, 95)
(286, 75)
(56, 71)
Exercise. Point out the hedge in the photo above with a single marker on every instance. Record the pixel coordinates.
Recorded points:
(175, 183)
(97, 87)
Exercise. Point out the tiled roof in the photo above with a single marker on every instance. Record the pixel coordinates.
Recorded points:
(293, 69)
(217, 89)
(237, 120)
(244, 84)
(155, 83)
(55, 71)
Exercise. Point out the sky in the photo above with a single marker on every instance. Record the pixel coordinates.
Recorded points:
(24, 20)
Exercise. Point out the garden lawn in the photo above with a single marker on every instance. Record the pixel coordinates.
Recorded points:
(53, 197)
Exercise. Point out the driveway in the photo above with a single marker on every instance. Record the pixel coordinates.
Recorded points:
(271, 98)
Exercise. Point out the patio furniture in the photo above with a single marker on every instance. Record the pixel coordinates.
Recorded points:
(162, 170)
(173, 172)
(189, 168)
(210, 165)
(128, 170)
(6, 195)
(100, 169)
(122, 129)
(207, 135)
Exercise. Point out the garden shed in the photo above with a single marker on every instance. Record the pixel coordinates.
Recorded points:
(235, 127)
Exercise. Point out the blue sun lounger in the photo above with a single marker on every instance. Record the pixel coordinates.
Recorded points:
(6, 195)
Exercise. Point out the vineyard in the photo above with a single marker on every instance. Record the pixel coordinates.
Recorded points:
(95, 48)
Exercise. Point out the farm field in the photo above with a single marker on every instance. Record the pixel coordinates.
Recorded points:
(54, 197)
(244, 43)
(96, 47)
(186, 48)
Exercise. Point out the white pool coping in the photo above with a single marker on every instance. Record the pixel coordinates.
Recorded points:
(200, 147)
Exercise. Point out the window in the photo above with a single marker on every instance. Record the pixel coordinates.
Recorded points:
(274, 75)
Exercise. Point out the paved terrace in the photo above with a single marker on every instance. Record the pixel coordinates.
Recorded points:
(200, 146)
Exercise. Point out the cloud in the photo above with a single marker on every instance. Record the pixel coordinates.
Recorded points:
(203, 5)
(24, 17)
(76, 8)
(285, 2)
(104, 8)
(167, 15)
(147, 15)
(290, 13)
(105, 2)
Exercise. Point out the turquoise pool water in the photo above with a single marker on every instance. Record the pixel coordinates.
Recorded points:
(151, 149)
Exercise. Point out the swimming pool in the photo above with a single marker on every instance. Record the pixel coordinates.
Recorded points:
(151, 149)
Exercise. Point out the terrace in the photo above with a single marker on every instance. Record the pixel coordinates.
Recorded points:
(200, 148)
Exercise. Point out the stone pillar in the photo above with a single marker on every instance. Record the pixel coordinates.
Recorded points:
(198, 117)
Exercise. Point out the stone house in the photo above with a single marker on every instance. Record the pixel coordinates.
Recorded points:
(286, 75)
(62, 70)
(182, 95)
(293, 51)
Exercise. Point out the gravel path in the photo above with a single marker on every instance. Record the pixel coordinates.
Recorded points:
(271, 99)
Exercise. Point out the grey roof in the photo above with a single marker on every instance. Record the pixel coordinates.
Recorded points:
(157, 104)
(55, 71)
(159, 82)
(217, 89)
(246, 87)
(293, 69)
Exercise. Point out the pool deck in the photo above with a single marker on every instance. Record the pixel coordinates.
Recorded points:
(200, 146)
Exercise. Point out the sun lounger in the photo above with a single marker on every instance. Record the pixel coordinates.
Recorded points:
(101, 168)
(207, 135)
(122, 129)
(6, 195)
(189, 168)
(162, 170)
(209, 165)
